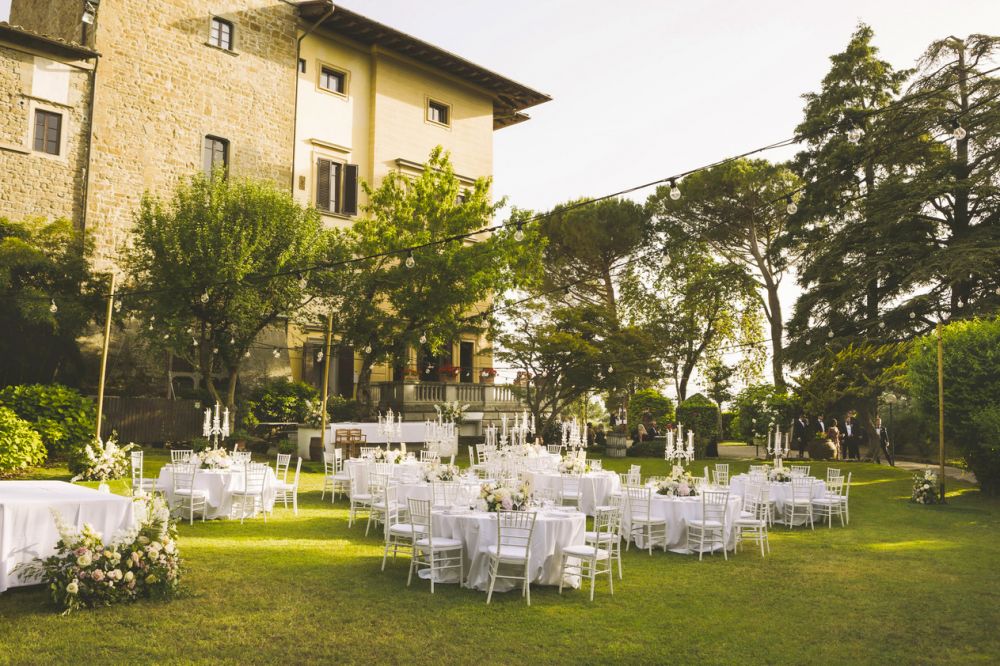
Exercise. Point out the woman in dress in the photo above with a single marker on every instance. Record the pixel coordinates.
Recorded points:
(833, 434)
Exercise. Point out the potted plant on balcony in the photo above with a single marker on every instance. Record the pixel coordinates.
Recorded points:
(448, 373)
(487, 375)
(410, 375)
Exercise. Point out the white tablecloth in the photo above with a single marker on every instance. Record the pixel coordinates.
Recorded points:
(477, 531)
(412, 432)
(595, 487)
(677, 511)
(410, 471)
(219, 484)
(781, 493)
(422, 490)
(27, 527)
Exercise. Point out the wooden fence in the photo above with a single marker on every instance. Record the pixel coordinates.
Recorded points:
(152, 420)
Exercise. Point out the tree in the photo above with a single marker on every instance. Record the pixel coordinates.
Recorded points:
(718, 379)
(737, 209)
(391, 304)
(659, 406)
(42, 264)
(761, 406)
(971, 392)
(216, 265)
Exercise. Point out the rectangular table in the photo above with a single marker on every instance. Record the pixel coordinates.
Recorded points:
(27, 526)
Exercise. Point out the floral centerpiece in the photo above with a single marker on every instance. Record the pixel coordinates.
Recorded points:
(87, 572)
(926, 488)
(452, 411)
(212, 459)
(439, 472)
(571, 463)
(388, 456)
(505, 498)
(679, 483)
(779, 474)
(105, 461)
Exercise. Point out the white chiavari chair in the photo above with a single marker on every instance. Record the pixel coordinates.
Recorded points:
(359, 500)
(710, 529)
(187, 498)
(377, 483)
(429, 552)
(515, 531)
(758, 469)
(555, 449)
(830, 505)
(368, 451)
(399, 531)
(140, 484)
(615, 542)
(833, 473)
(445, 493)
(570, 490)
(285, 491)
(753, 520)
(593, 558)
(800, 503)
(250, 497)
(799, 470)
(720, 475)
(281, 464)
(641, 520)
(429, 456)
(180, 455)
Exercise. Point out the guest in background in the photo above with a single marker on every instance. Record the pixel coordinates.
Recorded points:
(591, 435)
(819, 426)
(854, 435)
(600, 437)
(640, 431)
(801, 434)
(833, 434)
(883, 440)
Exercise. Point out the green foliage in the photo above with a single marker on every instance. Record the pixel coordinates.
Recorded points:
(343, 409)
(660, 407)
(281, 401)
(759, 406)
(39, 263)
(702, 415)
(209, 243)
(65, 419)
(971, 392)
(20, 446)
(853, 378)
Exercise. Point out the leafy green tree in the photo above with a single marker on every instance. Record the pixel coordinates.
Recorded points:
(701, 415)
(215, 266)
(660, 407)
(390, 306)
(42, 263)
(718, 380)
(971, 392)
(760, 406)
(736, 209)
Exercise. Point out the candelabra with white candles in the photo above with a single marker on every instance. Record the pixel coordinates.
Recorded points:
(778, 443)
(490, 432)
(216, 427)
(675, 451)
(574, 436)
(390, 426)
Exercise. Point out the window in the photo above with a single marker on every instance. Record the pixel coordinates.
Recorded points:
(336, 187)
(302, 66)
(333, 80)
(438, 113)
(215, 155)
(221, 34)
(48, 131)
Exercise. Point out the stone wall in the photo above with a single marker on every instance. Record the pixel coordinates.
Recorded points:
(34, 184)
(62, 19)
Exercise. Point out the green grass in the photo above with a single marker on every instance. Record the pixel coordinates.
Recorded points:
(901, 584)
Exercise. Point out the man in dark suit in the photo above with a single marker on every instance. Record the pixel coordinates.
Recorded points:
(883, 441)
(801, 434)
(854, 435)
(819, 425)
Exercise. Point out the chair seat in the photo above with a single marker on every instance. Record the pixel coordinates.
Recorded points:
(381, 505)
(340, 476)
(588, 552)
(750, 522)
(705, 523)
(281, 485)
(592, 536)
(188, 492)
(249, 493)
(571, 494)
(644, 519)
(406, 529)
(516, 553)
(826, 501)
(800, 502)
(440, 543)
(361, 497)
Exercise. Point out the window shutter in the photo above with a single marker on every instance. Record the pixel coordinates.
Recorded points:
(351, 189)
(323, 184)
(335, 198)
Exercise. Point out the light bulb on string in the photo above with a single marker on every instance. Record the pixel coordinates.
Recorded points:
(611, 369)
(276, 353)
(519, 234)
(410, 261)
(959, 304)
(53, 308)
(830, 334)
(246, 354)
(808, 342)
(957, 130)
(675, 192)
(118, 306)
(232, 340)
(151, 326)
(791, 207)
(368, 349)
(215, 350)
(854, 134)
(204, 297)
(303, 283)
(913, 315)
(881, 325)
(166, 336)
(423, 338)
(998, 291)
(194, 341)
(319, 356)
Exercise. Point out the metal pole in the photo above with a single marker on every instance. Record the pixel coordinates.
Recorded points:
(326, 379)
(940, 355)
(104, 356)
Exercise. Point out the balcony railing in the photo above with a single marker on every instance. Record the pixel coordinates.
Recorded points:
(423, 396)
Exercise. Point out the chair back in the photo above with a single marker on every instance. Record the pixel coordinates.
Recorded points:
(835, 486)
(639, 499)
(758, 469)
(847, 486)
(445, 493)
(136, 462)
(240, 457)
(358, 437)
(554, 448)
(720, 477)
(832, 473)
(429, 456)
(607, 525)
(596, 465)
(377, 482)
(389, 494)
(298, 471)
(180, 455)
(420, 517)
(799, 470)
(342, 436)
(801, 488)
(356, 472)
(338, 460)
(713, 505)
(472, 455)
(281, 466)
(754, 501)
(515, 529)
(254, 475)
(182, 475)
(570, 483)
(368, 451)
(329, 464)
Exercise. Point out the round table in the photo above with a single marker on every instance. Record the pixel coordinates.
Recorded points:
(423, 490)
(219, 484)
(408, 471)
(677, 511)
(477, 530)
(595, 487)
(780, 493)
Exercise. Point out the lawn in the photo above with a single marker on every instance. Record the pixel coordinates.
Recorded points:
(902, 584)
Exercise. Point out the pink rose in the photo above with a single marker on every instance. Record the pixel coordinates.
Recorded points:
(507, 504)
(683, 490)
(98, 575)
(80, 551)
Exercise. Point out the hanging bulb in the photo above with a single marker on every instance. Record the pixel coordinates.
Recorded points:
(808, 342)
(881, 325)
(152, 317)
(118, 306)
(675, 192)
(194, 341)
(232, 340)
(960, 304)
(190, 331)
(998, 291)
(611, 369)
(166, 336)
(913, 315)
(276, 353)
(204, 297)
(246, 354)
(519, 234)
(410, 261)
(957, 130)
(151, 326)
(319, 356)
(423, 338)
(303, 283)
(53, 308)
(854, 134)
(428, 370)
(791, 207)
(368, 349)
(830, 334)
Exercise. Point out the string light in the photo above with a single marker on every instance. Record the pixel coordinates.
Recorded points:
(204, 297)
(519, 234)
(215, 350)
(675, 192)
(246, 354)
(791, 207)
(118, 306)
(913, 315)
(319, 356)
(830, 334)
(410, 261)
(957, 130)
(611, 369)
(53, 308)
(423, 338)
(881, 325)
(276, 353)
(368, 349)
(854, 134)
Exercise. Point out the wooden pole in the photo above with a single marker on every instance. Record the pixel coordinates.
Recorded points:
(104, 356)
(326, 378)
(940, 359)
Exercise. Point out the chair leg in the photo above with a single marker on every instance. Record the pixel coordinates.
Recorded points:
(611, 577)
(593, 566)
(493, 580)
(413, 562)
(562, 571)
(527, 583)
(433, 572)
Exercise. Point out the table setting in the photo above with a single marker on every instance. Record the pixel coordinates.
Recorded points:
(780, 493)
(219, 483)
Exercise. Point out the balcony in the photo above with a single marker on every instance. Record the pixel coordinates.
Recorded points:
(417, 400)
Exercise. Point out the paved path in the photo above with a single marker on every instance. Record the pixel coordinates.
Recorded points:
(749, 452)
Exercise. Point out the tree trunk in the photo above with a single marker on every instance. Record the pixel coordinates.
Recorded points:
(777, 332)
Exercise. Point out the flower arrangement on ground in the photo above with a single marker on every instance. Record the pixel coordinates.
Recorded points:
(212, 459)
(86, 572)
(779, 474)
(500, 497)
(438, 472)
(388, 456)
(926, 488)
(573, 463)
(105, 461)
(452, 411)
(679, 483)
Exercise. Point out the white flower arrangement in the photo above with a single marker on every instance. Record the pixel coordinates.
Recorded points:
(438, 472)
(105, 461)
(505, 498)
(452, 411)
(679, 483)
(926, 488)
(779, 474)
(388, 456)
(572, 464)
(212, 459)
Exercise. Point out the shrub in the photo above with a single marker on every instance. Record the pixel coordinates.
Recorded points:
(758, 407)
(64, 418)
(281, 401)
(659, 406)
(702, 415)
(971, 392)
(651, 448)
(287, 446)
(342, 409)
(20, 446)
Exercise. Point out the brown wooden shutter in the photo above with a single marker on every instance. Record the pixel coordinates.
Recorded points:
(351, 189)
(336, 199)
(323, 184)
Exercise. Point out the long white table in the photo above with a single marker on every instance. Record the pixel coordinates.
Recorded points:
(27, 526)
(412, 432)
